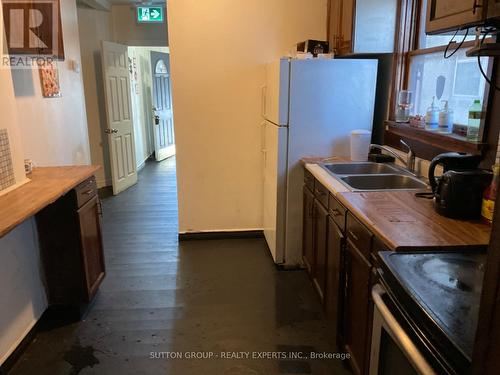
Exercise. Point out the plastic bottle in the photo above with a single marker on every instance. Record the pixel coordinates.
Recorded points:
(445, 119)
(489, 197)
(475, 115)
(432, 116)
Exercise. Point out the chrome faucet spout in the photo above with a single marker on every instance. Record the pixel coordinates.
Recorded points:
(410, 157)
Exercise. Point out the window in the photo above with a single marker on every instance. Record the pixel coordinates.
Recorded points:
(428, 74)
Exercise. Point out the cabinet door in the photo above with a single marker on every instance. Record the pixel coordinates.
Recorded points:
(448, 15)
(346, 27)
(335, 17)
(493, 8)
(358, 315)
(334, 278)
(308, 230)
(320, 242)
(92, 248)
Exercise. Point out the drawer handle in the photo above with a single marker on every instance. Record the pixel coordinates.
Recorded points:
(88, 192)
(320, 192)
(353, 235)
(335, 212)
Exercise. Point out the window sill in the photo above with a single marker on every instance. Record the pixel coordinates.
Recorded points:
(428, 144)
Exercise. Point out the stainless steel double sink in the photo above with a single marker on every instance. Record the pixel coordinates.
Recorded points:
(368, 176)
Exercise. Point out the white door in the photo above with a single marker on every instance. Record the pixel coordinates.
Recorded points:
(120, 126)
(274, 152)
(162, 106)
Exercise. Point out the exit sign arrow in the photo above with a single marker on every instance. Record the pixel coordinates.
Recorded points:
(150, 14)
(155, 14)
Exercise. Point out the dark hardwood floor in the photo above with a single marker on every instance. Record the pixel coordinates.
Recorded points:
(205, 297)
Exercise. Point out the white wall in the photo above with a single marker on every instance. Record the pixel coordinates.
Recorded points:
(218, 51)
(94, 27)
(52, 132)
(22, 295)
(10, 122)
(58, 122)
(127, 31)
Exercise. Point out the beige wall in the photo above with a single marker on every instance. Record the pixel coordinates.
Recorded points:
(94, 27)
(218, 51)
(127, 31)
(52, 132)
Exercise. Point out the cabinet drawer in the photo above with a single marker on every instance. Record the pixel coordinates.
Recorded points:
(86, 191)
(337, 212)
(321, 193)
(359, 235)
(308, 180)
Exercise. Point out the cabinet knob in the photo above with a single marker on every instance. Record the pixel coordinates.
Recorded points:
(111, 131)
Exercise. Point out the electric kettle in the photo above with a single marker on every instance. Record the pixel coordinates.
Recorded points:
(458, 193)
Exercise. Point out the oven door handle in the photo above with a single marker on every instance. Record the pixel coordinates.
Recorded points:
(398, 333)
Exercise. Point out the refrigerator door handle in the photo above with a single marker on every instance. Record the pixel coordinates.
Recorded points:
(263, 94)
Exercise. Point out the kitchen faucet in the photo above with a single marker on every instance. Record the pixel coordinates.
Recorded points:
(410, 156)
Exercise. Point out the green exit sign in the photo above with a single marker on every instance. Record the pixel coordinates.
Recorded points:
(150, 14)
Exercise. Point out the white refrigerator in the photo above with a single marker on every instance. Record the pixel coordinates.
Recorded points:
(309, 108)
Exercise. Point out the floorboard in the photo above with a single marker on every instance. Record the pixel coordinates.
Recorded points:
(162, 297)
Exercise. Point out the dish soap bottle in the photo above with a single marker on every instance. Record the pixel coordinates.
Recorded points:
(446, 119)
(432, 116)
(489, 197)
(475, 115)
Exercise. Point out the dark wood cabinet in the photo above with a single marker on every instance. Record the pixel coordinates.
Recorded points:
(358, 309)
(341, 20)
(334, 278)
(449, 15)
(362, 26)
(71, 247)
(308, 229)
(493, 9)
(320, 250)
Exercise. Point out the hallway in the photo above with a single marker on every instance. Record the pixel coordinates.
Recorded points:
(161, 297)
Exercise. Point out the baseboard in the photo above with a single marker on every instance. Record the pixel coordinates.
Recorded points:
(21, 346)
(221, 235)
(52, 318)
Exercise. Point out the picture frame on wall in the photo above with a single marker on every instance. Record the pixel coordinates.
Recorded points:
(49, 79)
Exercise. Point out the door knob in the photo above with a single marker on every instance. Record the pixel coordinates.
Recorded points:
(157, 120)
(111, 131)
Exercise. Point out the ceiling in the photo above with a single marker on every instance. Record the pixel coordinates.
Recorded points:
(137, 2)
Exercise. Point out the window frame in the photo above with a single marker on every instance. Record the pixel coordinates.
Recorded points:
(407, 46)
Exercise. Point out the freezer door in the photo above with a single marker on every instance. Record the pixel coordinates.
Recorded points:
(274, 153)
(276, 92)
(328, 99)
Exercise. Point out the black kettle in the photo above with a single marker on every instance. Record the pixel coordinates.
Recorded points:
(458, 193)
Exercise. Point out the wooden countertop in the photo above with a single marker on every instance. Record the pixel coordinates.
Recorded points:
(46, 186)
(404, 222)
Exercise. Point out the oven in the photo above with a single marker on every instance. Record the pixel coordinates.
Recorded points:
(396, 347)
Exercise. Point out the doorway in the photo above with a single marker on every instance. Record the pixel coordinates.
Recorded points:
(151, 103)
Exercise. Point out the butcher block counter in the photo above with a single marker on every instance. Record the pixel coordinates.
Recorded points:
(46, 186)
(404, 222)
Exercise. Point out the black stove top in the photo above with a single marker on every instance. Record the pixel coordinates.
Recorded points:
(444, 290)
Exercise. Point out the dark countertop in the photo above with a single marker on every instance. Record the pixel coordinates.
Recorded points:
(445, 289)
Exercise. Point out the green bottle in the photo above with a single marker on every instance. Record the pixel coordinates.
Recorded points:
(475, 116)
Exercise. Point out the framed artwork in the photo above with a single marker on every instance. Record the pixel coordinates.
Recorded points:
(49, 78)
